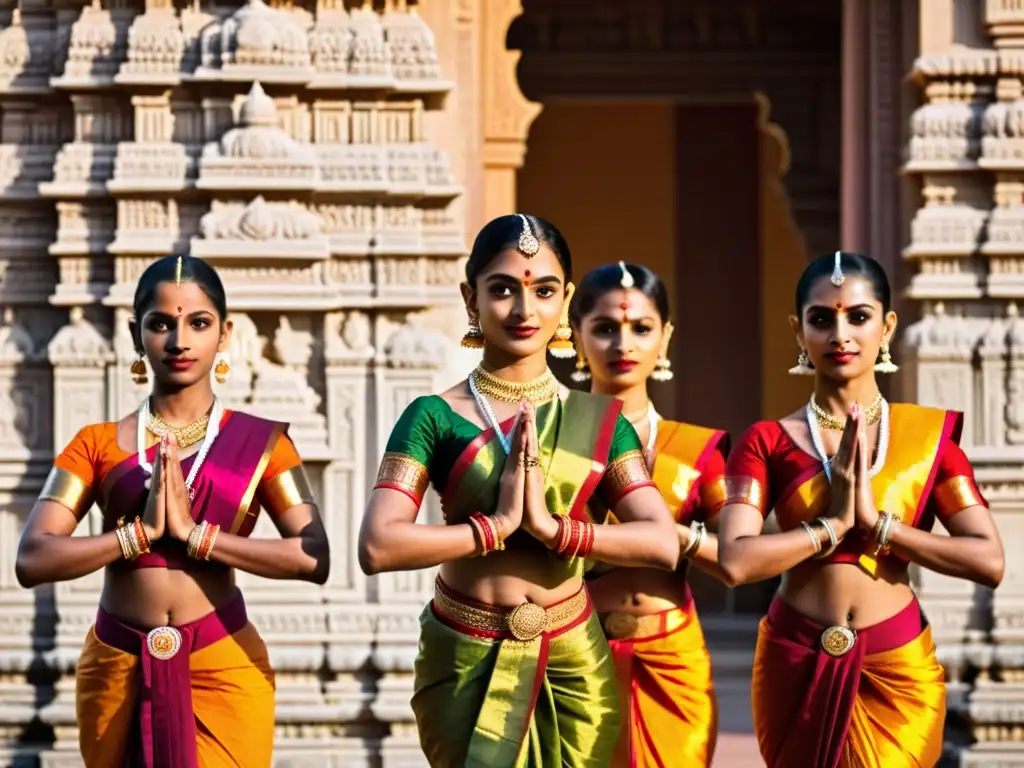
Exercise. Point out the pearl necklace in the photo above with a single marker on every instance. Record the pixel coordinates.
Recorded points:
(216, 414)
(488, 412)
(819, 443)
(653, 418)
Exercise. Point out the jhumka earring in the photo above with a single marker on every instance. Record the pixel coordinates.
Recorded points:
(582, 372)
(140, 375)
(663, 368)
(803, 365)
(561, 345)
(474, 337)
(885, 363)
(221, 370)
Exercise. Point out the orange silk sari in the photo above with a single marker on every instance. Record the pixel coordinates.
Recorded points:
(662, 664)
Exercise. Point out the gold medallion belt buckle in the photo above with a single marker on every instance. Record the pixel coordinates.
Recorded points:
(163, 643)
(838, 641)
(527, 621)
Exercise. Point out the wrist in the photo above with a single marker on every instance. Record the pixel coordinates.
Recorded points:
(547, 532)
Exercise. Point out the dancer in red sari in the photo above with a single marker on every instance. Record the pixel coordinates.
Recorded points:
(621, 316)
(845, 672)
(173, 675)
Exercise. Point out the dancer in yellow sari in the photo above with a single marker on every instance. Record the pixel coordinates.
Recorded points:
(173, 675)
(513, 668)
(845, 674)
(620, 317)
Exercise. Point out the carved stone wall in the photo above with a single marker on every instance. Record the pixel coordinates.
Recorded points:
(288, 144)
(966, 147)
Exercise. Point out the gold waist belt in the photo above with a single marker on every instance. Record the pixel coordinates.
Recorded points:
(524, 622)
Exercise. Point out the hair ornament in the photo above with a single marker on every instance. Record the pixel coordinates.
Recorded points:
(627, 280)
(528, 243)
(838, 278)
(177, 272)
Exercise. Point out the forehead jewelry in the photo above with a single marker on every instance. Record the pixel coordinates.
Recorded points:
(177, 272)
(528, 244)
(838, 278)
(627, 280)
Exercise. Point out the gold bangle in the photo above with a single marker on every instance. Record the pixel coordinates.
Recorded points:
(696, 538)
(195, 536)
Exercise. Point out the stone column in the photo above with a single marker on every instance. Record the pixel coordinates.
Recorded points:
(507, 113)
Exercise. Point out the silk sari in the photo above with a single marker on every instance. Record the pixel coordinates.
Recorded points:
(663, 666)
(196, 694)
(842, 697)
(490, 689)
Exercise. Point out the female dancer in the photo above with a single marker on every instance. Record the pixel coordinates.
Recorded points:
(173, 673)
(620, 315)
(845, 672)
(513, 667)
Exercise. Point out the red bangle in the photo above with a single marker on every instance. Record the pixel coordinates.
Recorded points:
(141, 536)
(588, 540)
(486, 532)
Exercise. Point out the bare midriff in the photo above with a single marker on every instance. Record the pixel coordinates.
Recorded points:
(155, 597)
(845, 594)
(638, 591)
(509, 578)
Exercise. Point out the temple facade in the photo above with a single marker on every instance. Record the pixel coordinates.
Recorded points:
(333, 158)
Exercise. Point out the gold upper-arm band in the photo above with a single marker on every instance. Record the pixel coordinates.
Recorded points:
(286, 490)
(68, 489)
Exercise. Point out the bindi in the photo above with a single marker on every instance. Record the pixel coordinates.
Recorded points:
(526, 278)
(839, 306)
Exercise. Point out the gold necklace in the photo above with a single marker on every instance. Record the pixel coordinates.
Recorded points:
(543, 389)
(827, 421)
(190, 434)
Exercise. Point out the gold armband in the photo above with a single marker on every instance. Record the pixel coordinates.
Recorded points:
(286, 490)
(68, 489)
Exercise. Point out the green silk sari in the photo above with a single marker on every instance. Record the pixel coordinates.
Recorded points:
(496, 701)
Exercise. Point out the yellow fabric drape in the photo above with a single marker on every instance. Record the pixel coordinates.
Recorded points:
(232, 694)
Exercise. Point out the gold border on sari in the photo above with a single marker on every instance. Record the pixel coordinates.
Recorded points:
(745, 490)
(404, 473)
(257, 475)
(955, 495)
(286, 490)
(626, 471)
(68, 489)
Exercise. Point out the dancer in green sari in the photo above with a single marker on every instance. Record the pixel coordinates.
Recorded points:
(513, 667)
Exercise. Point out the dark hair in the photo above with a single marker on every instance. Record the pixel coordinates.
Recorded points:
(504, 231)
(852, 264)
(193, 270)
(597, 282)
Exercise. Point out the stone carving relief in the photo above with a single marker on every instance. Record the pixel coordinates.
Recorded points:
(289, 146)
(967, 351)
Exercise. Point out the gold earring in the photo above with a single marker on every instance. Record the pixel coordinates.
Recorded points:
(474, 337)
(221, 371)
(885, 363)
(561, 345)
(663, 368)
(140, 374)
(803, 365)
(582, 372)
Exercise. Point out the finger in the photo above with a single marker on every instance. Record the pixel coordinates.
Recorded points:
(847, 441)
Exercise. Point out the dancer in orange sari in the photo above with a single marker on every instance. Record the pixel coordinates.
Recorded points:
(845, 672)
(173, 675)
(513, 669)
(620, 314)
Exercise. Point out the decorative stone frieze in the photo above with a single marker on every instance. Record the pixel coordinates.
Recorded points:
(966, 352)
(289, 146)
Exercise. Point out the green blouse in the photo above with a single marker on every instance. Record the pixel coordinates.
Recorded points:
(586, 446)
